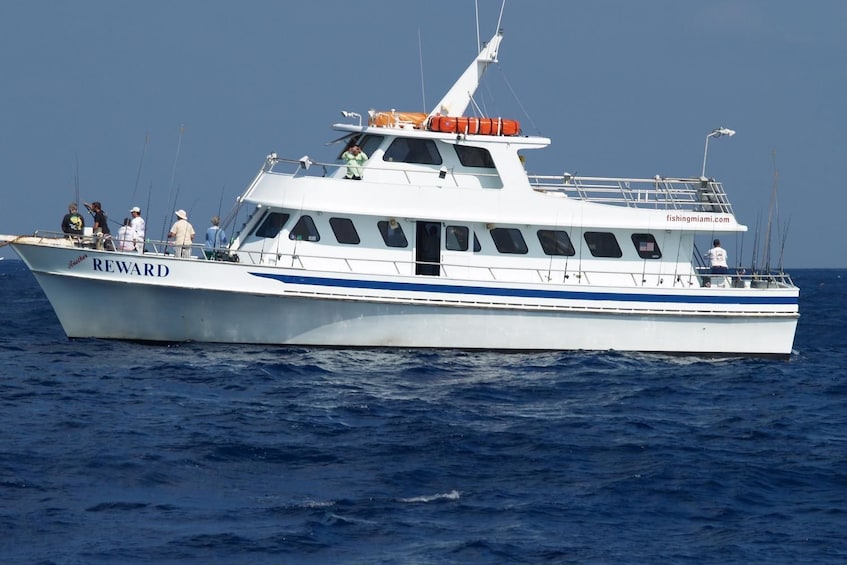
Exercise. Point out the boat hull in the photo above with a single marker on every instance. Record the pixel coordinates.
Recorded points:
(98, 294)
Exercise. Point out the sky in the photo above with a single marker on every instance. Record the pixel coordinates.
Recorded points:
(168, 105)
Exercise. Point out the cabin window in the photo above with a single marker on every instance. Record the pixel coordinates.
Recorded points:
(368, 143)
(344, 230)
(272, 224)
(393, 236)
(474, 156)
(419, 151)
(555, 242)
(602, 244)
(456, 238)
(509, 240)
(476, 246)
(304, 230)
(646, 246)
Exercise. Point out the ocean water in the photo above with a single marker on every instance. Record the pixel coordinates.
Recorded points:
(117, 452)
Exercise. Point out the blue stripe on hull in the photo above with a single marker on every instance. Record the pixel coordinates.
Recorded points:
(525, 292)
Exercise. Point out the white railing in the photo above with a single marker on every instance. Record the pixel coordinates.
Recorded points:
(684, 194)
(660, 193)
(410, 174)
(579, 275)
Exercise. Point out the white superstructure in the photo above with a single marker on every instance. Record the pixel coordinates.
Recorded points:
(445, 242)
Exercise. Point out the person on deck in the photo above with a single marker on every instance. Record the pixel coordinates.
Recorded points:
(127, 236)
(140, 227)
(215, 238)
(717, 261)
(101, 226)
(717, 258)
(354, 157)
(182, 233)
(73, 222)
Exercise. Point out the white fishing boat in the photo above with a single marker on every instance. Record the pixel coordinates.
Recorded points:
(446, 241)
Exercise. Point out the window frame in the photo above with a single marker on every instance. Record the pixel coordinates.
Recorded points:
(599, 244)
(461, 240)
(312, 234)
(638, 238)
(384, 226)
(467, 154)
(505, 241)
(346, 228)
(265, 227)
(428, 145)
(560, 248)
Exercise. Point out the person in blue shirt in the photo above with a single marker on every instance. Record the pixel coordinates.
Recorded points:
(215, 238)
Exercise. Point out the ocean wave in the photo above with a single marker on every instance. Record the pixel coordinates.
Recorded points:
(452, 495)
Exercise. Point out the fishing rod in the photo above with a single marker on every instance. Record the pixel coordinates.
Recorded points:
(165, 220)
(76, 180)
(140, 163)
(772, 205)
(218, 242)
(754, 255)
(147, 211)
(782, 246)
(173, 176)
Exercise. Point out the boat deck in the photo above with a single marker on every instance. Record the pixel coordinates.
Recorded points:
(658, 193)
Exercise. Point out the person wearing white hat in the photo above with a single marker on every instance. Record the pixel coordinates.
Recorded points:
(139, 225)
(182, 233)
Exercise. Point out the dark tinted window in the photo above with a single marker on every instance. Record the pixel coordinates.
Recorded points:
(456, 238)
(392, 236)
(405, 150)
(474, 156)
(602, 244)
(646, 246)
(508, 240)
(555, 242)
(476, 246)
(344, 230)
(272, 224)
(305, 230)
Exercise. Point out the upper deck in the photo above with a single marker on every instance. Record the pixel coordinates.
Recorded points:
(658, 193)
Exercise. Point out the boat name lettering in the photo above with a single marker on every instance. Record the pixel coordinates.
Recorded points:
(130, 268)
(74, 262)
(684, 218)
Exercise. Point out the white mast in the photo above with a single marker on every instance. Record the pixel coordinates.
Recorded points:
(457, 99)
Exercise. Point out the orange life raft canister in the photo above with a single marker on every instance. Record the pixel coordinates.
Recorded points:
(474, 126)
(394, 118)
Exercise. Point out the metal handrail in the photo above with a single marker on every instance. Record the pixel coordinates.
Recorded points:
(737, 278)
(666, 193)
(690, 194)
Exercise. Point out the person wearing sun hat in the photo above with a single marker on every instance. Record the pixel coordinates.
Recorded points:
(139, 225)
(182, 233)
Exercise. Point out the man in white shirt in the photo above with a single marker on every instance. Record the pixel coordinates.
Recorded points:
(182, 233)
(717, 261)
(127, 238)
(717, 258)
(139, 226)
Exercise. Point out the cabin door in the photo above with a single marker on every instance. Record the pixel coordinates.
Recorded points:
(428, 249)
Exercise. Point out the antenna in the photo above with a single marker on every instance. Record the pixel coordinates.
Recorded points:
(500, 18)
(478, 41)
(420, 58)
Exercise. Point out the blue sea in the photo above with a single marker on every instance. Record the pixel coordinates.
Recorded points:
(115, 452)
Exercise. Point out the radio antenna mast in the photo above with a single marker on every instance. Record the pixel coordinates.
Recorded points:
(420, 58)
